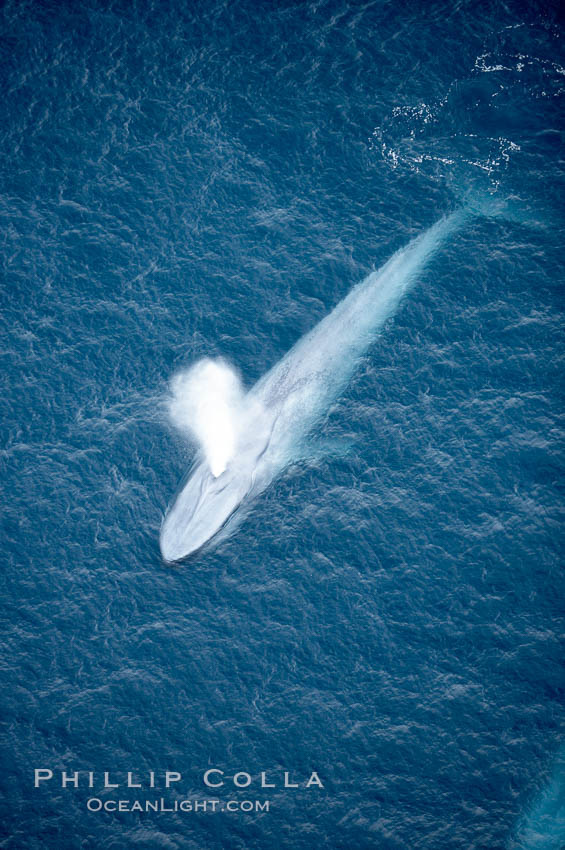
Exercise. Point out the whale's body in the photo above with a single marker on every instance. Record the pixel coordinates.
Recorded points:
(286, 402)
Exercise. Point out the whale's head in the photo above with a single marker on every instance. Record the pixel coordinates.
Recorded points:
(201, 508)
(206, 500)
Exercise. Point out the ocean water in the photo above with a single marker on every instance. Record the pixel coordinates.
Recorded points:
(182, 180)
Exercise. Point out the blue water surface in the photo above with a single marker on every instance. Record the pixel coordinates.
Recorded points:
(189, 179)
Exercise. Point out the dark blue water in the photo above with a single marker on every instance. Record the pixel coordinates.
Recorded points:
(188, 179)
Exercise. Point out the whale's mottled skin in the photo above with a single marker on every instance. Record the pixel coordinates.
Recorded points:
(286, 402)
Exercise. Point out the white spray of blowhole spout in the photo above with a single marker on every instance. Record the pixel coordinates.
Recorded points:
(206, 404)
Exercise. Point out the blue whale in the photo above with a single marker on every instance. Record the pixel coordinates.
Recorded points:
(284, 405)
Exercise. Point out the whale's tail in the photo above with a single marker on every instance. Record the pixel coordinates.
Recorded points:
(511, 208)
